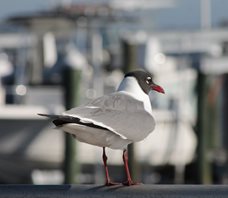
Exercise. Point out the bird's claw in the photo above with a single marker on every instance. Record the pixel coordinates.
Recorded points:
(130, 183)
(110, 183)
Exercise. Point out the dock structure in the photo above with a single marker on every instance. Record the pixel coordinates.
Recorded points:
(86, 191)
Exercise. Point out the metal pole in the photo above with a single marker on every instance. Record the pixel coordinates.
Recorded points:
(72, 79)
(205, 9)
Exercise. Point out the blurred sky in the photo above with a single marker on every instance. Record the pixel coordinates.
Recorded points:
(185, 15)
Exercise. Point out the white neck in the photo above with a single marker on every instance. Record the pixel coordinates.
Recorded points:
(131, 86)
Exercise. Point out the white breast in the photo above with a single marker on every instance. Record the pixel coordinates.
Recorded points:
(131, 86)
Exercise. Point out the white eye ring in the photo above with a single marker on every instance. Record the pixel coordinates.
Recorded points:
(148, 80)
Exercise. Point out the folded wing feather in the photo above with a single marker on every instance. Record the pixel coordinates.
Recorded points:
(118, 112)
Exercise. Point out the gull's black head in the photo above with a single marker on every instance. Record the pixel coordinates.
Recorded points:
(145, 80)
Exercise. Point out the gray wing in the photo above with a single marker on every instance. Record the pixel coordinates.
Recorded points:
(118, 112)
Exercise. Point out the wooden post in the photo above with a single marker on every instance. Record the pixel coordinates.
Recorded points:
(203, 165)
(130, 63)
(129, 56)
(36, 76)
(72, 79)
(224, 135)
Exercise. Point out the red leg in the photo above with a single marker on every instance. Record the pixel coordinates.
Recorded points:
(108, 180)
(129, 181)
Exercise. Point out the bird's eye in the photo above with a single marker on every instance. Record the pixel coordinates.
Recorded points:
(148, 80)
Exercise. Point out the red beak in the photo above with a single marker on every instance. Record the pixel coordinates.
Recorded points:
(157, 88)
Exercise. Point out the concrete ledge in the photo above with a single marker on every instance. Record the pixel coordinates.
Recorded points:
(86, 191)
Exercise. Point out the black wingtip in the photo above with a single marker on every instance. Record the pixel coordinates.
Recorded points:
(41, 114)
(48, 115)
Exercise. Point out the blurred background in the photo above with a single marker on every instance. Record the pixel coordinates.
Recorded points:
(57, 54)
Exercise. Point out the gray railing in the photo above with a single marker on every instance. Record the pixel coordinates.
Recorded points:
(86, 191)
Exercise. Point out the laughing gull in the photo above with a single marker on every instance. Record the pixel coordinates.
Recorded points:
(114, 120)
